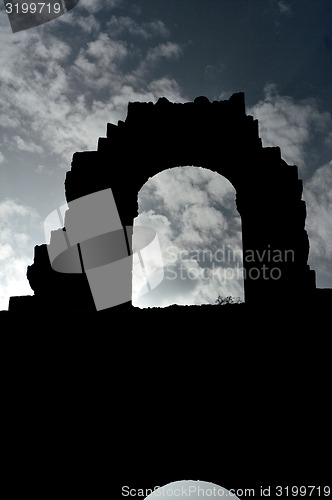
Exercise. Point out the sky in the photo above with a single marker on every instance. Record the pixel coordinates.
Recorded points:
(63, 81)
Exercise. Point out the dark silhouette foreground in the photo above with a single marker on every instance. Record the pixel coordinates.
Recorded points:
(219, 136)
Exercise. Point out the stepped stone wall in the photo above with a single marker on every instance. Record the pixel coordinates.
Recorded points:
(216, 135)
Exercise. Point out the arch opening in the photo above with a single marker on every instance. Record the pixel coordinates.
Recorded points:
(193, 211)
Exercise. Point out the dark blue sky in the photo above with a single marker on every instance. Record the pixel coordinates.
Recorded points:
(243, 44)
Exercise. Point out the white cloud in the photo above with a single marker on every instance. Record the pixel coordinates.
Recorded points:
(120, 25)
(94, 6)
(6, 251)
(17, 226)
(164, 87)
(290, 124)
(20, 144)
(284, 8)
(13, 281)
(51, 49)
(318, 197)
(105, 51)
(328, 139)
(58, 96)
(9, 208)
(157, 28)
(168, 50)
(196, 230)
(89, 24)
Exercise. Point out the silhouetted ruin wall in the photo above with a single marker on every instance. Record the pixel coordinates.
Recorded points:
(218, 136)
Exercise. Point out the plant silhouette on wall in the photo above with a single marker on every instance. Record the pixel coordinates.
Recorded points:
(226, 301)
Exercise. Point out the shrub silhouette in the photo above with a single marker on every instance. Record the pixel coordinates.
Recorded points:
(226, 301)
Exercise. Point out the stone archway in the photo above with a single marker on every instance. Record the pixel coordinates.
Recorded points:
(218, 136)
(193, 212)
(221, 137)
